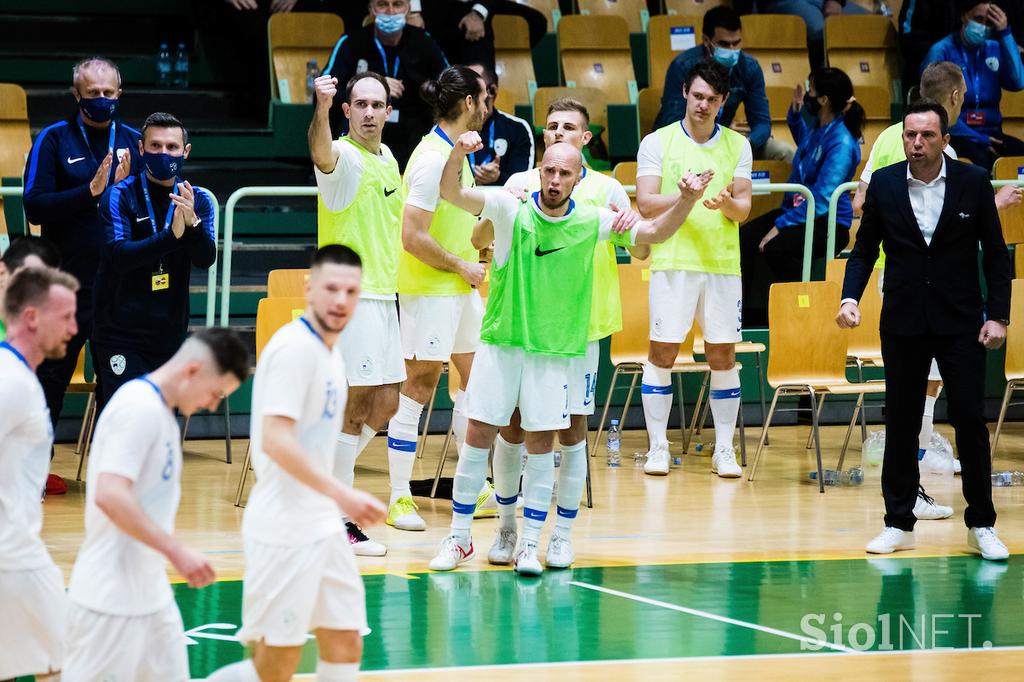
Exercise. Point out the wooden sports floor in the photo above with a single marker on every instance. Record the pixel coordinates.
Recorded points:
(683, 577)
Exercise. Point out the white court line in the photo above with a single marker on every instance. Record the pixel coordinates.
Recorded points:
(722, 619)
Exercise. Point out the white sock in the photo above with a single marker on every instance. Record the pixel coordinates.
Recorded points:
(402, 432)
(365, 436)
(537, 494)
(345, 458)
(927, 424)
(725, 404)
(656, 395)
(336, 672)
(572, 478)
(243, 671)
(460, 422)
(508, 468)
(470, 474)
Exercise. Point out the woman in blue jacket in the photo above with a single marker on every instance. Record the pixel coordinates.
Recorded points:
(826, 123)
(985, 49)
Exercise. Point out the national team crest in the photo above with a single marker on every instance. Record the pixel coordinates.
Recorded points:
(117, 364)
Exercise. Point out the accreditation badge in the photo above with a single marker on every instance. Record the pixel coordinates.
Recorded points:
(161, 281)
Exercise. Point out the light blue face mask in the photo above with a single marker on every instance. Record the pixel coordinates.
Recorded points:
(975, 33)
(726, 57)
(389, 23)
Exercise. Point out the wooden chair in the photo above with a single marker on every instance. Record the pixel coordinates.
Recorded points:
(1012, 219)
(864, 47)
(271, 315)
(667, 37)
(549, 8)
(595, 53)
(633, 11)
(649, 104)
(287, 283)
(779, 43)
(513, 61)
(80, 383)
(295, 38)
(808, 356)
(592, 98)
(1012, 108)
(629, 349)
(15, 142)
(693, 7)
(1013, 368)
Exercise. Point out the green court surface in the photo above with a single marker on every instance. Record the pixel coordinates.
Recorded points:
(434, 620)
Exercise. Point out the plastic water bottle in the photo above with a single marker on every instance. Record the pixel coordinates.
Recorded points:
(181, 67)
(614, 444)
(639, 458)
(312, 71)
(851, 477)
(1005, 479)
(163, 66)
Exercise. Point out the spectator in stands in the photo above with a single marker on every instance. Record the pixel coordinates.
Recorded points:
(157, 227)
(827, 155)
(508, 141)
(71, 163)
(723, 38)
(26, 251)
(406, 55)
(985, 49)
(922, 23)
(464, 29)
(814, 13)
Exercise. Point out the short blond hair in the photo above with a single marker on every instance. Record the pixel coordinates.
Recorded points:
(31, 287)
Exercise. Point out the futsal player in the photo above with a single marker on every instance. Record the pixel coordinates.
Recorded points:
(695, 276)
(537, 319)
(124, 623)
(300, 572)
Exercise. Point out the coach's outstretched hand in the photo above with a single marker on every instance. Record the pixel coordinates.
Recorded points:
(363, 509)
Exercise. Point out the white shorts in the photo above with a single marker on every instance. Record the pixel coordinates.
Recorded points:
(33, 619)
(290, 591)
(503, 378)
(583, 380)
(436, 327)
(678, 297)
(372, 345)
(106, 647)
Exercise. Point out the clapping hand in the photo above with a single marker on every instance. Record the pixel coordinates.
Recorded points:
(692, 186)
(184, 205)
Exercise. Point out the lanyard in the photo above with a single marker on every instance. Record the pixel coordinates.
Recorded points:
(384, 58)
(315, 333)
(88, 147)
(974, 75)
(149, 206)
(488, 145)
(440, 133)
(4, 344)
(156, 388)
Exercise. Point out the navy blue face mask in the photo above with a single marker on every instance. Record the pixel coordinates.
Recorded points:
(98, 109)
(162, 166)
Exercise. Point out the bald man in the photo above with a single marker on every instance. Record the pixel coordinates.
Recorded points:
(536, 322)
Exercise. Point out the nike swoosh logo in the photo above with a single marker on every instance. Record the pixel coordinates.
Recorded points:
(139, 220)
(388, 193)
(71, 161)
(539, 252)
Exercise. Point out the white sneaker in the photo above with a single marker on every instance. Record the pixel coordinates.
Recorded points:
(891, 540)
(451, 555)
(559, 554)
(362, 545)
(403, 515)
(987, 543)
(657, 461)
(527, 562)
(723, 462)
(504, 548)
(926, 509)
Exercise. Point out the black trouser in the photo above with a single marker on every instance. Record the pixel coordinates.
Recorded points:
(962, 364)
(116, 366)
(979, 153)
(781, 261)
(55, 375)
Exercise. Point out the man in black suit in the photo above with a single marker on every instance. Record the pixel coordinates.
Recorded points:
(930, 213)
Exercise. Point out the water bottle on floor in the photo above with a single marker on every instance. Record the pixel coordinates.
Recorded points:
(181, 67)
(614, 444)
(311, 74)
(1005, 479)
(163, 66)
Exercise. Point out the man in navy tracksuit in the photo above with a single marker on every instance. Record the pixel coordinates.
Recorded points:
(157, 227)
(71, 164)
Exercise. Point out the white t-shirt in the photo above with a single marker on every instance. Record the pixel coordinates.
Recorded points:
(501, 208)
(648, 158)
(617, 195)
(137, 437)
(869, 166)
(300, 378)
(26, 436)
(339, 187)
(424, 179)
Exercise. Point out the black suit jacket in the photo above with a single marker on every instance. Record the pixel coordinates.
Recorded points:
(936, 288)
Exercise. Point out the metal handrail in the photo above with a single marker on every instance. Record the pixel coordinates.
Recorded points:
(771, 187)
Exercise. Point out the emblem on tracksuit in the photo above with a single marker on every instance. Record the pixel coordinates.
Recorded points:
(117, 364)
